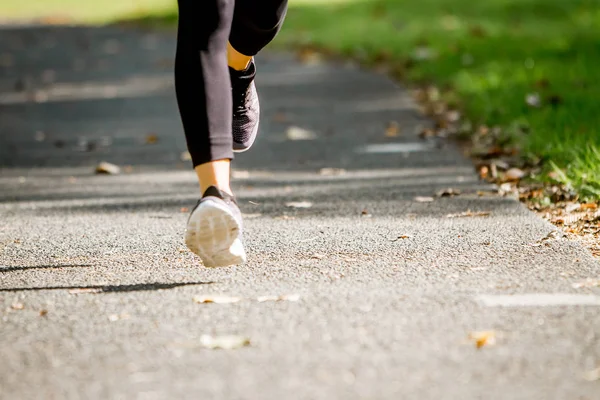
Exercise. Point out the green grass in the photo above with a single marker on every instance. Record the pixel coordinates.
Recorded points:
(81, 11)
(487, 56)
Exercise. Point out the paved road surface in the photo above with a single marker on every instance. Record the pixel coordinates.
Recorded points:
(379, 317)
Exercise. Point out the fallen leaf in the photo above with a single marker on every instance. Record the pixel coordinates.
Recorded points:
(402, 237)
(469, 213)
(483, 338)
(285, 297)
(483, 171)
(151, 138)
(592, 375)
(448, 192)
(427, 133)
(365, 212)
(43, 313)
(17, 306)
(588, 206)
(107, 168)
(84, 290)
(332, 171)
(453, 116)
(184, 209)
(39, 136)
(117, 317)
(226, 342)
(296, 133)
(392, 129)
(299, 204)
(251, 216)
(513, 174)
(217, 299)
(553, 175)
(424, 199)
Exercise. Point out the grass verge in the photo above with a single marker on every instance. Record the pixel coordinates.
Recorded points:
(528, 67)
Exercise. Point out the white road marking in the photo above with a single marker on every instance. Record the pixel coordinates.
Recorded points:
(539, 300)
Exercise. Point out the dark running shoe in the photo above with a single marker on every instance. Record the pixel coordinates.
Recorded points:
(214, 230)
(246, 109)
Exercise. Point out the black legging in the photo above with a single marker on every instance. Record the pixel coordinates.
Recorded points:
(202, 80)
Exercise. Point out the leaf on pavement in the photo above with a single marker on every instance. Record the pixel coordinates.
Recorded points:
(225, 342)
(469, 213)
(402, 237)
(43, 313)
(513, 174)
(107, 168)
(299, 204)
(117, 317)
(151, 138)
(424, 199)
(285, 297)
(448, 192)
(392, 129)
(217, 299)
(483, 338)
(296, 133)
(572, 207)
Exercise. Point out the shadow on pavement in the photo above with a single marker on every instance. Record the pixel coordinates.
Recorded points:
(33, 267)
(112, 288)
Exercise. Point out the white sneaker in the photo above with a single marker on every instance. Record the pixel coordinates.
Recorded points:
(214, 230)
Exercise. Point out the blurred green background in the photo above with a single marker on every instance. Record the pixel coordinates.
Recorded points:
(530, 67)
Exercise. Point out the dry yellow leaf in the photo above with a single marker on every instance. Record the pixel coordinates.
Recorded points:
(151, 138)
(392, 129)
(483, 338)
(107, 168)
(225, 342)
(217, 299)
(469, 213)
(285, 297)
(423, 199)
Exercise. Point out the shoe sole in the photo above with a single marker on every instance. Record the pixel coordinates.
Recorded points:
(213, 234)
